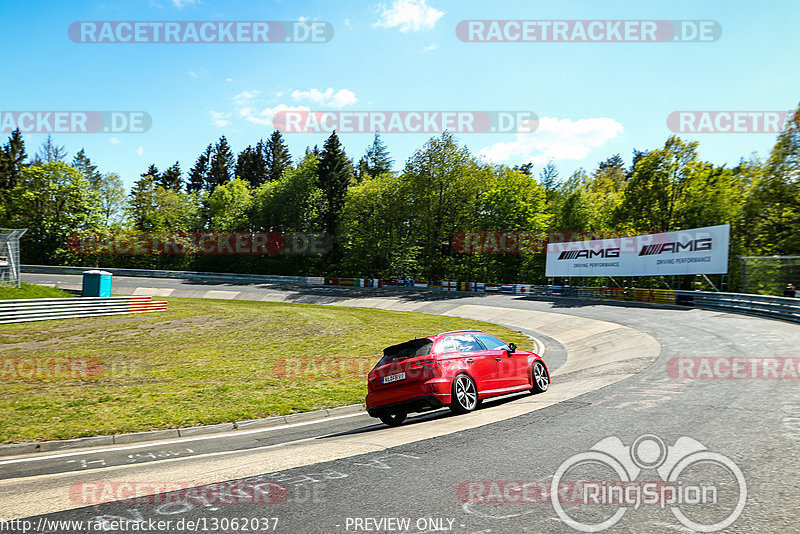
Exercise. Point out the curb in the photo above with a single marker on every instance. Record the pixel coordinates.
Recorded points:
(13, 449)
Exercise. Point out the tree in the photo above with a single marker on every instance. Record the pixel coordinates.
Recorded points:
(251, 165)
(276, 156)
(198, 175)
(229, 206)
(152, 172)
(294, 203)
(50, 152)
(525, 168)
(82, 162)
(377, 159)
(171, 178)
(657, 188)
(334, 175)
(221, 165)
(53, 201)
(548, 177)
(111, 199)
(12, 161)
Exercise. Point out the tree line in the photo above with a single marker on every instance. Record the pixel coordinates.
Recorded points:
(397, 224)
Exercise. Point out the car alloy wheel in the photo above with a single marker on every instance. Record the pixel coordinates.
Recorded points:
(465, 394)
(540, 379)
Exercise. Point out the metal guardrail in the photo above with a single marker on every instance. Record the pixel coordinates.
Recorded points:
(185, 275)
(763, 305)
(27, 310)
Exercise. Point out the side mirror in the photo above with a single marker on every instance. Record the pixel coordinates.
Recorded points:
(512, 347)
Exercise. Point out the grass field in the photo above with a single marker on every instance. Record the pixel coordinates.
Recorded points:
(31, 291)
(202, 362)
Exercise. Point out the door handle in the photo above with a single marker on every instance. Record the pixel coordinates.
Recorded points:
(470, 361)
(499, 359)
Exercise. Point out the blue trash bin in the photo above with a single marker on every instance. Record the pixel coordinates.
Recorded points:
(96, 284)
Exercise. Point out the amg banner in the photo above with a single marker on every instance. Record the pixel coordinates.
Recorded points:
(695, 251)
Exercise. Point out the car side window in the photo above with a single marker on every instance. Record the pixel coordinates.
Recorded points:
(447, 345)
(466, 343)
(491, 342)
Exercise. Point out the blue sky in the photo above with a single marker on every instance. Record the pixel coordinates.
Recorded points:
(594, 99)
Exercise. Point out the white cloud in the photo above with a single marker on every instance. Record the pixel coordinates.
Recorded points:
(114, 140)
(229, 80)
(555, 139)
(192, 74)
(220, 118)
(265, 115)
(180, 3)
(431, 47)
(408, 15)
(348, 24)
(246, 96)
(140, 151)
(303, 20)
(339, 99)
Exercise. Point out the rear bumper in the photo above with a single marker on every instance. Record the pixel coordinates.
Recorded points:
(415, 404)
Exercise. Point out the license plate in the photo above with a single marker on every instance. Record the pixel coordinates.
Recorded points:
(388, 379)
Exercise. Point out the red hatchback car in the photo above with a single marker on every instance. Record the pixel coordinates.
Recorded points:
(454, 369)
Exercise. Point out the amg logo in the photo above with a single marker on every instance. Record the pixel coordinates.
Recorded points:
(677, 246)
(588, 253)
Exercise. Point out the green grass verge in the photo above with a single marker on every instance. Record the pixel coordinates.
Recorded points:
(202, 362)
(31, 291)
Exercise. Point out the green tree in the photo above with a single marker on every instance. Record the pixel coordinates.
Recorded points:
(334, 175)
(82, 163)
(277, 158)
(377, 158)
(221, 165)
(251, 165)
(12, 161)
(171, 178)
(53, 201)
(198, 174)
(229, 206)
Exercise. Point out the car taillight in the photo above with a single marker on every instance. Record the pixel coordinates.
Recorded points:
(424, 365)
(372, 376)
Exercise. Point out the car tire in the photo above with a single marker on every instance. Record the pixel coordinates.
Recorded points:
(393, 418)
(539, 378)
(464, 394)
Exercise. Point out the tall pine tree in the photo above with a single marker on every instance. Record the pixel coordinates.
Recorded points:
(277, 156)
(222, 164)
(334, 176)
(250, 165)
(82, 162)
(12, 160)
(198, 175)
(171, 178)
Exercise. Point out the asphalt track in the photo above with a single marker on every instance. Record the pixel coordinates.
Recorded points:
(349, 474)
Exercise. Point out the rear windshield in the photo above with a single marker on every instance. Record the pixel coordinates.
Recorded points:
(409, 349)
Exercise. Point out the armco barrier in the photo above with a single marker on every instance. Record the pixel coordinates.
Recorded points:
(26, 310)
(766, 306)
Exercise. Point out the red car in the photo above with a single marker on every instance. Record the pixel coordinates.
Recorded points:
(454, 369)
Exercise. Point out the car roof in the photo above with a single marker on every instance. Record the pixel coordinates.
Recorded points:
(471, 331)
